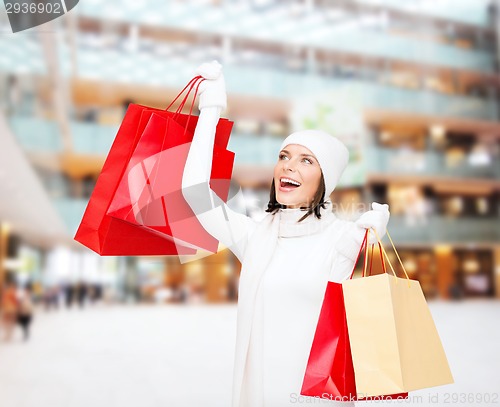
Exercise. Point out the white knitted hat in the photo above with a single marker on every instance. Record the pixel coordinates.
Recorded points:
(331, 153)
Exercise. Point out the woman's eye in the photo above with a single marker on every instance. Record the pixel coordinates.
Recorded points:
(283, 156)
(308, 161)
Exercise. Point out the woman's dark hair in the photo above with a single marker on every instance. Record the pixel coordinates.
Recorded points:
(317, 203)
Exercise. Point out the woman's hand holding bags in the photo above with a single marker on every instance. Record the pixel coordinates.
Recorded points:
(376, 219)
(212, 90)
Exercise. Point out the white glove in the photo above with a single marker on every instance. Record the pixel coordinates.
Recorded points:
(212, 90)
(376, 219)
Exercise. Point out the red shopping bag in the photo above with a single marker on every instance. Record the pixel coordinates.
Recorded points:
(330, 372)
(107, 235)
(150, 191)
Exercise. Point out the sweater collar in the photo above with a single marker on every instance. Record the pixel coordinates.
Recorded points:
(289, 225)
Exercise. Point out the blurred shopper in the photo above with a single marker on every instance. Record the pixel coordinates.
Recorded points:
(81, 293)
(455, 290)
(14, 95)
(9, 309)
(51, 298)
(97, 293)
(25, 309)
(287, 258)
(69, 294)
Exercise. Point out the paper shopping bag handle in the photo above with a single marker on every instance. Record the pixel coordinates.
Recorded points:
(395, 251)
(371, 256)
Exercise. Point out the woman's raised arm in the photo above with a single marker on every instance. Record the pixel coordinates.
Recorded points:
(229, 227)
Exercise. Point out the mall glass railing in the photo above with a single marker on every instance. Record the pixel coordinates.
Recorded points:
(262, 150)
(291, 86)
(438, 229)
(90, 138)
(274, 82)
(279, 25)
(42, 135)
(473, 12)
(430, 163)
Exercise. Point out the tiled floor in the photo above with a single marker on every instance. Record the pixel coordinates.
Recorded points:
(175, 356)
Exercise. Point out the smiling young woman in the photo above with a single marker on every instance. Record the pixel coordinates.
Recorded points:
(300, 182)
(297, 175)
(287, 258)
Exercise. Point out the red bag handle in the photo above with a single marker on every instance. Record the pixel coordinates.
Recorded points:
(196, 81)
(190, 86)
(363, 243)
(181, 105)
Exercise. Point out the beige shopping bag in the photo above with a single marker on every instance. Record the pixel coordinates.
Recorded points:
(394, 342)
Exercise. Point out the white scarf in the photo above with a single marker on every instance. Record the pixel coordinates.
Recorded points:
(258, 254)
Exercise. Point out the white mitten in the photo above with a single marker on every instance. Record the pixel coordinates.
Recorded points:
(212, 90)
(376, 219)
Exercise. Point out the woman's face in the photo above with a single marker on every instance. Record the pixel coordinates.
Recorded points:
(297, 175)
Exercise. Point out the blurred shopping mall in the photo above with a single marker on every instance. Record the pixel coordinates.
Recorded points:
(412, 87)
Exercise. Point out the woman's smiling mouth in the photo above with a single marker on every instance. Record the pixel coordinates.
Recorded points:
(288, 184)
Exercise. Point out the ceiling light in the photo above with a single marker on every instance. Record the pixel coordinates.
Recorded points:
(437, 132)
(385, 135)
